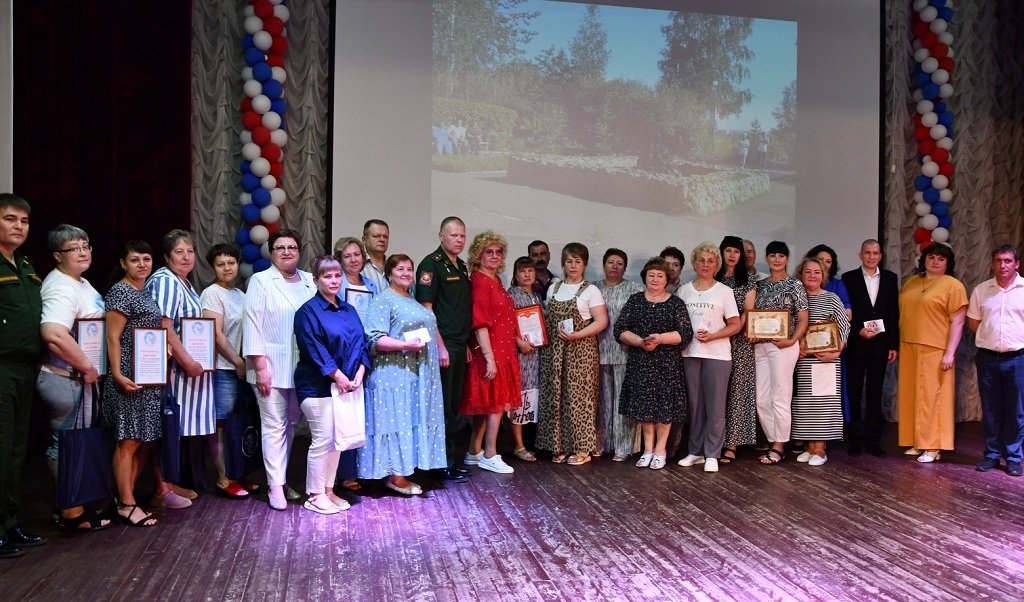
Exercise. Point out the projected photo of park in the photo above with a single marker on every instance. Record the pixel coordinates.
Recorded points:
(613, 125)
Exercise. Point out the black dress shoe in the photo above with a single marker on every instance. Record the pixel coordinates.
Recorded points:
(987, 464)
(8, 550)
(1013, 468)
(876, 451)
(462, 470)
(18, 537)
(448, 474)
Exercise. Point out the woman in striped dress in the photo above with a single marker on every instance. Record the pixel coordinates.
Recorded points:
(189, 387)
(817, 399)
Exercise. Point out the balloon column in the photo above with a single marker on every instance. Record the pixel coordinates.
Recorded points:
(933, 123)
(263, 130)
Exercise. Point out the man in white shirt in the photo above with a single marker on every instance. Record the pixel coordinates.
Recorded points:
(375, 238)
(996, 315)
(750, 256)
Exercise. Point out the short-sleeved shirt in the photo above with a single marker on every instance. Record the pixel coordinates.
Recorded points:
(445, 284)
(926, 307)
(590, 297)
(1001, 312)
(786, 294)
(20, 308)
(66, 299)
(230, 304)
(709, 311)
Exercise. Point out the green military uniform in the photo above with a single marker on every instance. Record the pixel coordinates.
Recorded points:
(445, 284)
(20, 348)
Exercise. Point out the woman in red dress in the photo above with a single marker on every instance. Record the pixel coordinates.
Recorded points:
(492, 385)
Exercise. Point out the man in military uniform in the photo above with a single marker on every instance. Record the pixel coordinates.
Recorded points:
(442, 286)
(20, 348)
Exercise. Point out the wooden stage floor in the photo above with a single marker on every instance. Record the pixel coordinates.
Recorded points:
(854, 529)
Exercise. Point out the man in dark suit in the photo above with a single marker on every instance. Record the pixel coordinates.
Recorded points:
(874, 342)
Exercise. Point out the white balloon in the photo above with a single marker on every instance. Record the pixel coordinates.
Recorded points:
(281, 12)
(928, 13)
(921, 209)
(261, 103)
(245, 136)
(946, 143)
(265, 250)
(279, 137)
(277, 197)
(919, 5)
(928, 222)
(949, 3)
(930, 169)
(940, 76)
(245, 198)
(929, 119)
(252, 24)
(917, 95)
(278, 74)
(250, 151)
(940, 234)
(262, 40)
(245, 270)
(920, 54)
(249, 10)
(918, 196)
(925, 106)
(272, 121)
(938, 25)
(946, 38)
(259, 167)
(246, 73)
(930, 64)
(275, 2)
(940, 182)
(270, 214)
(946, 195)
(945, 90)
(916, 45)
(937, 131)
(949, 53)
(268, 182)
(252, 88)
(259, 234)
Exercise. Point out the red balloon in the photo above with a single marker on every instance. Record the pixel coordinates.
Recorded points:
(917, 120)
(946, 169)
(922, 235)
(940, 50)
(260, 135)
(271, 152)
(276, 169)
(924, 245)
(929, 39)
(926, 147)
(246, 104)
(947, 64)
(279, 46)
(263, 8)
(275, 61)
(920, 27)
(922, 133)
(273, 26)
(251, 119)
(940, 155)
(274, 227)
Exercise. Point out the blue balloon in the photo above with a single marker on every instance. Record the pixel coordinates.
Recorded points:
(937, 3)
(272, 88)
(940, 209)
(920, 78)
(242, 238)
(261, 72)
(250, 182)
(250, 253)
(946, 119)
(250, 213)
(261, 197)
(939, 107)
(946, 14)
(279, 106)
(922, 182)
(261, 264)
(247, 42)
(945, 221)
(254, 56)
(930, 91)
(931, 195)
(246, 167)
(949, 131)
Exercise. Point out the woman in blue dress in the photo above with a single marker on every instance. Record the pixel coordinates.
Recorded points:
(404, 407)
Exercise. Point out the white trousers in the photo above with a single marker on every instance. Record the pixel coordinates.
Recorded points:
(774, 368)
(279, 412)
(322, 460)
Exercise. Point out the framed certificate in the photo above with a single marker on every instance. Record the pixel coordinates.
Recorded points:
(359, 300)
(768, 324)
(91, 335)
(822, 337)
(149, 356)
(198, 337)
(530, 325)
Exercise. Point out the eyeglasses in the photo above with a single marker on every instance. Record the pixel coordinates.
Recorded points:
(81, 249)
(282, 248)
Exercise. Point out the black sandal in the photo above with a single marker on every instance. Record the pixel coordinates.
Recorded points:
(94, 520)
(728, 456)
(137, 523)
(767, 459)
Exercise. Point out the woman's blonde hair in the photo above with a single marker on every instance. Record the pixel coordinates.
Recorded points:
(706, 247)
(482, 241)
(821, 264)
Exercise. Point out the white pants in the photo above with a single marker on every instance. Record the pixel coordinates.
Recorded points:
(279, 412)
(774, 368)
(322, 460)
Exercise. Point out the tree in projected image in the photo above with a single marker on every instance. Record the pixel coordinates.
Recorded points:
(784, 133)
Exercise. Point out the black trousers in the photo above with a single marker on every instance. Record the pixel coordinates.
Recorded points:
(453, 379)
(865, 375)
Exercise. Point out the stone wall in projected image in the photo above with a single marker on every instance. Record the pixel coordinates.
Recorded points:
(616, 181)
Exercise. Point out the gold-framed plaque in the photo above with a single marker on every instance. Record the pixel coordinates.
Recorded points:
(530, 325)
(149, 356)
(822, 337)
(769, 324)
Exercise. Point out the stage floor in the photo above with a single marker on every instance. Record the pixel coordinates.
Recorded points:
(854, 529)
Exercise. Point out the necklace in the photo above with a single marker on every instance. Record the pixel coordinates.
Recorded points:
(925, 286)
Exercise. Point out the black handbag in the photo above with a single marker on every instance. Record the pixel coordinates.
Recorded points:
(84, 472)
(243, 441)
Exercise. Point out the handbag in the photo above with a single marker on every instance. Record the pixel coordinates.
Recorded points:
(84, 472)
(349, 419)
(243, 441)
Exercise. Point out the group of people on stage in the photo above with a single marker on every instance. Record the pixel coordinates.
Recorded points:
(399, 367)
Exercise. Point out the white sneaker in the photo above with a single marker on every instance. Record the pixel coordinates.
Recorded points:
(690, 460)
(473, 459)
(804, 457)
(817, 460)
(711, 465)
(644, 461)
(495, 464)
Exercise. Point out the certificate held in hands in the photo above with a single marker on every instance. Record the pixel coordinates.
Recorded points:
(91, 335)
(149, 356)
(199, 340)
(767, 324)
(530, 325)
